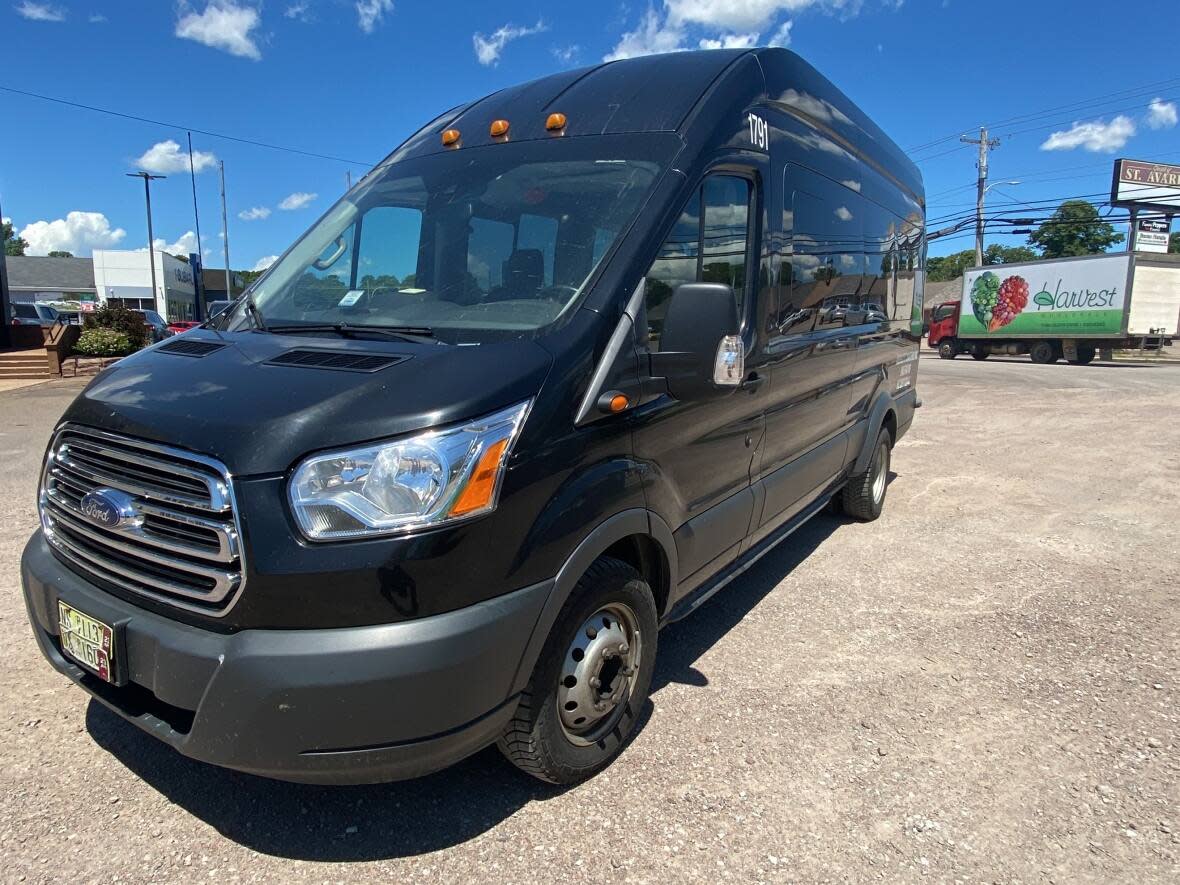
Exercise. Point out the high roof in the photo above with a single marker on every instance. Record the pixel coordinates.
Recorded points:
(658, 93)
(39, 272)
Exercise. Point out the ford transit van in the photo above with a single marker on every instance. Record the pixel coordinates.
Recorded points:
(551, 375)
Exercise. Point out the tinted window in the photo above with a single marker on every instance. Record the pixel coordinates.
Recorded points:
(711, 247)
(25, 311)
(828, 261)
(388, 250)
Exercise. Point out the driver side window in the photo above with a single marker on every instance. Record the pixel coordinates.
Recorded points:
(326, 280)
(709, 243)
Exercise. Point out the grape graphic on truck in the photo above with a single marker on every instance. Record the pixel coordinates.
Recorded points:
(1068, 298)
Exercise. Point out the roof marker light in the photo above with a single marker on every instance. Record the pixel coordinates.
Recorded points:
(498, 128)
(555, 122)
(450, 138)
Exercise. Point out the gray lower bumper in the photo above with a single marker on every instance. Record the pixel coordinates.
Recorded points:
(352, 705)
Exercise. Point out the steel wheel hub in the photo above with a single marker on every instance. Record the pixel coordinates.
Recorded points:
(597, 673)
(880, 474)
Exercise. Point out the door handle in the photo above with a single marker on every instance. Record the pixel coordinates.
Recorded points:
(753, 382)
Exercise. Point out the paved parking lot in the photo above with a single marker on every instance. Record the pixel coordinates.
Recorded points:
(982, 685)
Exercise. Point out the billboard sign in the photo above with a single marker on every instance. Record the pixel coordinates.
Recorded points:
(1137, 183)
(1070, 297)
(1151, 235)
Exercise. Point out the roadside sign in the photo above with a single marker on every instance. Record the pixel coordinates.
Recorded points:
(1151, 235)
(1146, 185)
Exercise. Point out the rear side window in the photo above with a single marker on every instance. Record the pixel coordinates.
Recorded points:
(709, 243)
(25, 311)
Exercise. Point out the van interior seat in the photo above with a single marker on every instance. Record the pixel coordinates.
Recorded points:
(523, 274)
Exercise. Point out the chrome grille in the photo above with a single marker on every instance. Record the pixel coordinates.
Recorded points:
(183, 545)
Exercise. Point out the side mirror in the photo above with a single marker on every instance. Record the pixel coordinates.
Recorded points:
(701, 354)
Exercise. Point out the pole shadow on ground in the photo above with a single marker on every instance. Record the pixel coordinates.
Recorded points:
(408, 818)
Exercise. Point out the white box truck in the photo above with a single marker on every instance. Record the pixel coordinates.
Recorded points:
(1065, 307)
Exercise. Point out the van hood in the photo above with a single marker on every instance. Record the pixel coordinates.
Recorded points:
(258, 417)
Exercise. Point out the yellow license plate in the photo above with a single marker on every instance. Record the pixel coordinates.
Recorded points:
(87, 640)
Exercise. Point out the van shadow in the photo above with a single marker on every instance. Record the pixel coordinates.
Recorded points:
(360, 823)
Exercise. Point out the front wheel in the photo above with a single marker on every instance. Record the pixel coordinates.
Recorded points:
(591, 681)
(947, 350)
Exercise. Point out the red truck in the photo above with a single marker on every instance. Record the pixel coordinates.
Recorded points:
(1062, 308)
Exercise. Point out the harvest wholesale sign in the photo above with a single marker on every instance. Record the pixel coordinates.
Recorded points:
(1054, 299)
(1137, 183)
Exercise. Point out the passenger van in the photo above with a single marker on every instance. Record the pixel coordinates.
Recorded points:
(545, 380)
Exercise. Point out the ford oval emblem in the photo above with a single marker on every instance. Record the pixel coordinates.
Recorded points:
(109, 508)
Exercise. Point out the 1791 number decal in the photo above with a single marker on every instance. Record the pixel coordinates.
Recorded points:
(759, 131)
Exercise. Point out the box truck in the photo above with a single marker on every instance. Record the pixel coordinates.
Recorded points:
(1062, 308)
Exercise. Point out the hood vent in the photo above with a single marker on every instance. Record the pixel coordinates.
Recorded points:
(335, 359)
(190, 347)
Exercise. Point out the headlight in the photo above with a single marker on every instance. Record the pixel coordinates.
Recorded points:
(424, 480)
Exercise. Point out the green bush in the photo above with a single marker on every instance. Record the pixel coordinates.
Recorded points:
(103, 342)
(118, 319)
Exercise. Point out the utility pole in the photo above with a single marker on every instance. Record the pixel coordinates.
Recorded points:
(148, 178)
(196, 215)
(229, 292)
(984, 146)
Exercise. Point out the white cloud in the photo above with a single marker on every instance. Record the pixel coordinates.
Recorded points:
(298, 11)
(97, 18)
(166, 158)
(730, 41)
(297, 200)
(40, 12)
(1161, 114)
(265, 262)
(781, 36)
(728, 24)
(223, 25)
(370, 12)
(1095, 136)
(566, 53)
(654, 34)
(843, 213)
(488, 47)
(78, 232)
(255, 214)
(185, 245)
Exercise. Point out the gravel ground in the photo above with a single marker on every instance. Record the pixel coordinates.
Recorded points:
(980, 686)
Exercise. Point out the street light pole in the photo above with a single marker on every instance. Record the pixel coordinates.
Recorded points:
(148, 178)
(229, 292)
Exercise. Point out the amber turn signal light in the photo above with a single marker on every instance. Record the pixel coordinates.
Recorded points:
(498, 128)
(482, 486)
(555, 122)
(450, 137)
(618, 402)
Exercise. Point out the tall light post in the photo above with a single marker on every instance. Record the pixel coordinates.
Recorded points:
(148, 178)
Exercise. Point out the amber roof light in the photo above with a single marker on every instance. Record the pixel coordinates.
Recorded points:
(450, 137)
(555, 122)
(498, 128)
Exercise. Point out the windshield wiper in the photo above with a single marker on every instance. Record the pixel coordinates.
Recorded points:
(409, 333)
(255, 314)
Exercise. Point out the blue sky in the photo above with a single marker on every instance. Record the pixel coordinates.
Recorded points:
(1060, 80)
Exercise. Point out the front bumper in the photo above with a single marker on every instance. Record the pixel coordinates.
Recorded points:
(345, 705)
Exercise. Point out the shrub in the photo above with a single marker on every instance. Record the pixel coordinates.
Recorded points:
(103, 342)
(118, 319)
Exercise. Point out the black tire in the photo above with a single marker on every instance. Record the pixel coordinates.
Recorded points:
(1085, 356)
(1043, 353)
(864, 495)
(947, 350)
(980, 352)
(536, 740)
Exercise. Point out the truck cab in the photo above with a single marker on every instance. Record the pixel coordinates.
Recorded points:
(546, 379)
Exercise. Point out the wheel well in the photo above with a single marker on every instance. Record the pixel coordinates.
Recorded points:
(645, 555)
(890, 424)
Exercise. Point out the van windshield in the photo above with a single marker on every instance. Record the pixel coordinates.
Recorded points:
(483, 244)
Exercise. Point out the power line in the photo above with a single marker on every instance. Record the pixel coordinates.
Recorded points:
(181, 126)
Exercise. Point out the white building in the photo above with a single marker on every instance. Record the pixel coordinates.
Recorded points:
(122, 277)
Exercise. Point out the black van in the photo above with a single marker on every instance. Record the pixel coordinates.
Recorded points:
(567, 362)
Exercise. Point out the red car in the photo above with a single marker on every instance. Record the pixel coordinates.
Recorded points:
(182, 326)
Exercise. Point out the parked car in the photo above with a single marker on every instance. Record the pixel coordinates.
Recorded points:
(181, 326)
(217, 307)
(157, 326)
(387, 524)
(27, 313)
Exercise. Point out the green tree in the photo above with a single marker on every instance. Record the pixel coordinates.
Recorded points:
(13, 245)
(1074, 229)
(1174, 242)
(249, 276)
(56, 253)
(951, 267)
